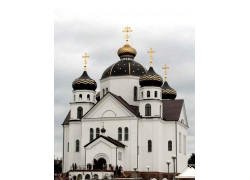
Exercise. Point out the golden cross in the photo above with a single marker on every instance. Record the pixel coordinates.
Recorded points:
(85, 61)
(127, 30)
(151, 51)
(165, 69)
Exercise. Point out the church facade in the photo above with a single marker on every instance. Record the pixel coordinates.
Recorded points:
(135, 121)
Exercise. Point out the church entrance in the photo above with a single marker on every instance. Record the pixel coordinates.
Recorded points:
(100, 164)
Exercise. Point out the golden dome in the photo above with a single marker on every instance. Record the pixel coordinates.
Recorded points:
(126, 50)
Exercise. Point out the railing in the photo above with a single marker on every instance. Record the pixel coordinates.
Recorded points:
(78, 167)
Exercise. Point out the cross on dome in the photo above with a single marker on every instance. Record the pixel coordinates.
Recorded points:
(85, 61)
(165, 67)
(127, 30)
(151, 51)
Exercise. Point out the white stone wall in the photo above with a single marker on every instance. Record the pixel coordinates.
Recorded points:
(122, 86)
(111, 125)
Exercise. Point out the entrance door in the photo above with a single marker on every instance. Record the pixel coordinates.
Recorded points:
(101, 164)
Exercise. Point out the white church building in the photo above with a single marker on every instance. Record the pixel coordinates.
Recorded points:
(135, 122)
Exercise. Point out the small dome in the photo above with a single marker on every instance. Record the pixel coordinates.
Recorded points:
(151, 78)
(126, 51)
(103, 130)
(168, 92)
(84, 83)
(124, 68)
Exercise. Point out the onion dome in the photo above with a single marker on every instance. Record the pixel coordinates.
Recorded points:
(98, 96)
(124, 68)
(151, 78)
(168, 92)
(103, 130)
(126, 51)
(84, 83)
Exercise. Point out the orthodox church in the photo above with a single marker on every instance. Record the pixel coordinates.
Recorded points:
(134, 122)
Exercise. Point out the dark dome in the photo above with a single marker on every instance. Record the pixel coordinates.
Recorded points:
(84, 83)
(123, 68)
(151, 79)
(168, 92)
(126, 51)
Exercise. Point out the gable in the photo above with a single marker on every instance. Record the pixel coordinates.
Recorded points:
(183, 115)
(109, 106)
(106, 140)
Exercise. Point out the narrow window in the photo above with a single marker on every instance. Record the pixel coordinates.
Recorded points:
(88, 97)
(119, 134)
(156, 94)
(68, 147)
(120, 156)
(77, 145)
(74, 97)
(103, 92)
(148, 93)
(80, 97)
(107, 90)
(184, 144)
(97, 133)
(179, 142)
(91, 134)
(135, 93)
(147, 110)
(142, 95)
(149, 146)
(126, 134)
(79, 112)
(169, 145)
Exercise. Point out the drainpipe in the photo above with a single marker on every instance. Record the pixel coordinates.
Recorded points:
(116, 157)
(176, 144)
(137, 143)
(85, 158)
(63, 150)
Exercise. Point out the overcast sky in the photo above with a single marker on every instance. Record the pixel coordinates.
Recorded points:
(95, 28)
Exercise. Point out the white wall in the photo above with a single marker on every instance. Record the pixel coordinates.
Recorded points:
(122, 86)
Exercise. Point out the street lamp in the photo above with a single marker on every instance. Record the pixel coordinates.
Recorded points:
(168, 163)
(174, 158)
(135, 172)
(148, 171)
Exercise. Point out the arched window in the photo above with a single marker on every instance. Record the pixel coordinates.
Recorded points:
(126, 134)
(160, 111)
(91, 134)
(103, 92)
(97, 132)
(77, 145)
(147, 110)
(119, 134)
(68, 147)
(142, 95)
(135, 93)
(88, 97)
(156, 94)
(148, 93)
(80, 97)
(149, 146)
(79, 112)
(107, 90)
(169, 145)
(74, 97)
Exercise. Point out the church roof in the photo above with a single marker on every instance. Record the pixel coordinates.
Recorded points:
(133, 109)
(66, 121)
(111, 140)
(172, 109)
(124, 68)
